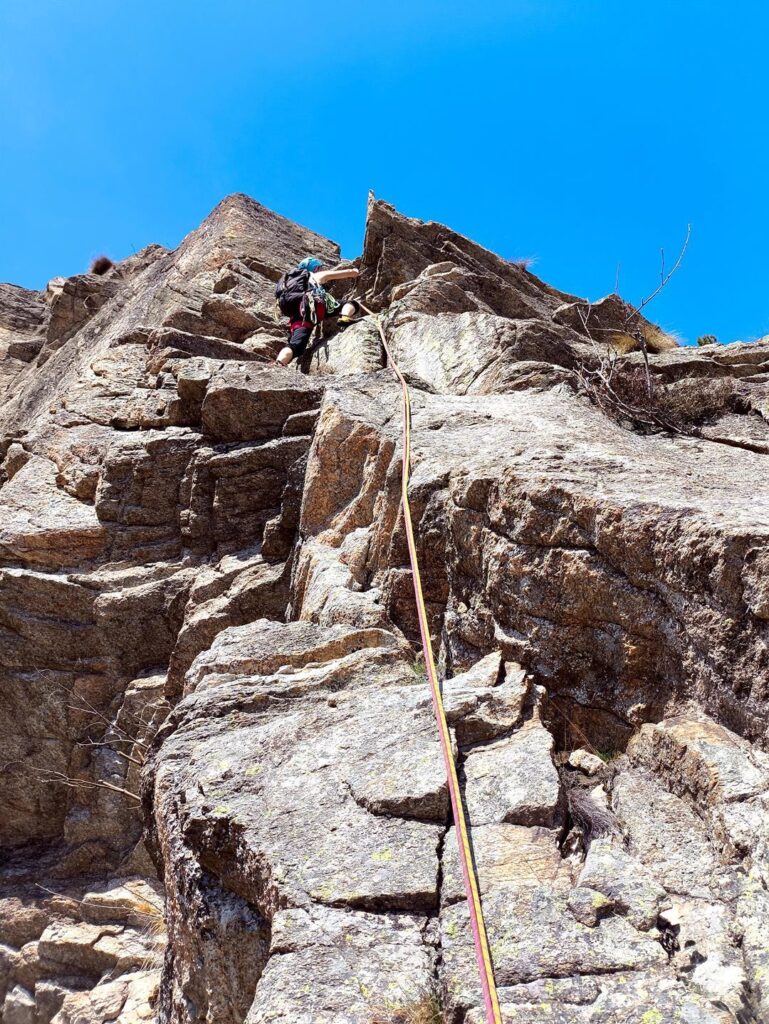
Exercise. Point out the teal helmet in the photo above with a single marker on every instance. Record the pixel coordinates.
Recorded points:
(310, 263)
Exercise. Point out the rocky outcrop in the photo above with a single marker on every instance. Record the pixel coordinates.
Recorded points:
(128, 526)
(217, 738)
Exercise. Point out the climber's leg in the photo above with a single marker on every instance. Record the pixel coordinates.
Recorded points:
(300, 337)
(347, 314)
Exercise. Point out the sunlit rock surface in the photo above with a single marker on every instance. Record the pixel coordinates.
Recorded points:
(223, 795)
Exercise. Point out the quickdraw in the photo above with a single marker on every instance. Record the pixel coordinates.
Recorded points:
(483, 955)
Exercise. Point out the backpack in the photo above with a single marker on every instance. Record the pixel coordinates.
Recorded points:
(291, 290)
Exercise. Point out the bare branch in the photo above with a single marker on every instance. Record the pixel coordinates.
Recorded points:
(88, 708)
(109, 743)
(107, 906)
(664, 278)
(60, 778)
(110, 725)
(617, 396)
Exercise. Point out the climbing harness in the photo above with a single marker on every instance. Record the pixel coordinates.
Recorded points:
(298, 291)
(483, 956)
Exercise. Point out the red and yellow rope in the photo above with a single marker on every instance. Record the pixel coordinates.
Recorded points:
(483, 955)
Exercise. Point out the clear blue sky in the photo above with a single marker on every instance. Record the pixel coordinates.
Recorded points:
(585, 133)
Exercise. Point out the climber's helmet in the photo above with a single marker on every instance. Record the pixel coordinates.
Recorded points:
(311, 263)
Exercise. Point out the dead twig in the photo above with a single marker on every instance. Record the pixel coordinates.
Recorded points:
(615, 389)
(633, 328)
(89, 709)
(109, 744)
(664, 278)
(62, 779)
(157, 909)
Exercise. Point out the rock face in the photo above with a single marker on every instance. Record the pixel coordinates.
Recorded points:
(217, 739)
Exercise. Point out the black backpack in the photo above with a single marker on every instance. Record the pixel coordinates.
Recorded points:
(291, 290)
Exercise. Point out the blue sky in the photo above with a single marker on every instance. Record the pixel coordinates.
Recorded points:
(586, 134)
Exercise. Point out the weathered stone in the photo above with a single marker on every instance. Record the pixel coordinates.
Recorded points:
(132, 901)
(621, 879)
(356, 349)
(588, 905)
(248, 405)
(487, 700)
(514, 779)
(328, 966)
(397, 249)
(586, 762)
(233, 594)
(230, 313)
(232, 494)
(506, 856)
(171, 342)
(364, 837)
(629, 998)
(78, 947)
(533, 935)
(21, 921)
(326, 591)
(131, 1001)
(753, 915)
(264, 647)
(665, 835)
(19, 1007)
(24, 350)
(45, 526)
(713, 768)
(475, 353)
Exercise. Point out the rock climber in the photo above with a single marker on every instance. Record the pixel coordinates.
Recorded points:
(301, 296)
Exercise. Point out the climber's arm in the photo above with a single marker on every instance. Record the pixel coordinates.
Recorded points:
(324, 276)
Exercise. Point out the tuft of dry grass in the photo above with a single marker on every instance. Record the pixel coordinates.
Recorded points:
(655, 338)
(658, 340)
(523, 262)
(426, 1010)
(101, 265)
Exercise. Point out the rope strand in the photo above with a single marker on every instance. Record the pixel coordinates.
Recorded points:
(477, 923)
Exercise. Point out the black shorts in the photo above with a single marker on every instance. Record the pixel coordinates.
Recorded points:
(299, 340)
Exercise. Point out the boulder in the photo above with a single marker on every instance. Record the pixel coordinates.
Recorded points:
(514, 779)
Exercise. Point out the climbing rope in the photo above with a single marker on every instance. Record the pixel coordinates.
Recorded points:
(475, 907)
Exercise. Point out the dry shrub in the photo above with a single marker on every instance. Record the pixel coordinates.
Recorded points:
(523, 262)
(699, 400)
(630, 396)
(625, 395)
(101, 265)
(624, 344)
(153, 917)
(594, 821)
(640, 335)
(426, 1010)
(153, 930)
